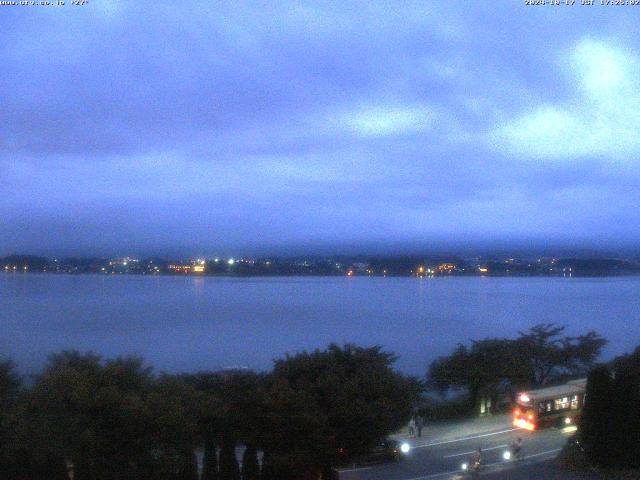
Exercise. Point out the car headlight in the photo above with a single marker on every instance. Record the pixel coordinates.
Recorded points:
(405, 447)
(506, 455)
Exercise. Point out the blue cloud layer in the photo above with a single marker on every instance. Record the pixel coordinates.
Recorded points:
(253, 125)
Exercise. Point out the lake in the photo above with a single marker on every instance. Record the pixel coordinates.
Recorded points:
(192, 323)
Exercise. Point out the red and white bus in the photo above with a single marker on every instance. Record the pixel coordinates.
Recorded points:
(550, 406)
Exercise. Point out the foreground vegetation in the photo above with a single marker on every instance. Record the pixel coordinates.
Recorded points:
(115, 419)
(490, 372)
(610, 428)
(88, 418)
(608, 441)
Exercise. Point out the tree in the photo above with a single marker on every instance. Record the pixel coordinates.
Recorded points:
(581, 353)
(250, 468)
(624, 419)
(267, 469)
(12, 463)
(208, 416)
(318, 402)
(487, 369)
(610, 426)
(229, 468)
(552, 356)
(10, 384)
(625, 411)
(111, 419)
(57, 414)
(230, 413)
(629, 363)
(595, 427)
(210, 461)
(493, 367)
(173, 433)
(542, 346)
(187, 465)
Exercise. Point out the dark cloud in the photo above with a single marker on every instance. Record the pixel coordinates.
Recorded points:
(156, 126)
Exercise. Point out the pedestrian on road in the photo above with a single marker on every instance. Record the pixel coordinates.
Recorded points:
(419, 425)
(475, 462)
(412, 427)
(516, 448)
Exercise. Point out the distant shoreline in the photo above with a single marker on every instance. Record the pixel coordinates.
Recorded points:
(426, 266)
(319, 275)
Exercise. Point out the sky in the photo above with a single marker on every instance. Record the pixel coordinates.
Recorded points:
(162, 127)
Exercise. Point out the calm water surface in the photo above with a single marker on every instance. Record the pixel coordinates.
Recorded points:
(191, 323)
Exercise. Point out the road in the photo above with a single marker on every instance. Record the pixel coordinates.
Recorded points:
(439, 455)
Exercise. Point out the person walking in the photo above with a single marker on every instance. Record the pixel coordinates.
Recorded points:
(412, 427)
(475, 462)
(516, 448)
(419, 425)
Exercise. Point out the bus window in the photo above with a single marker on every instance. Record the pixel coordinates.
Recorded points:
(545, 407)
(561, 403)
(575, 403)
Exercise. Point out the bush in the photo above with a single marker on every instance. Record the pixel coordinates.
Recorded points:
(610, 427)
(595, 427)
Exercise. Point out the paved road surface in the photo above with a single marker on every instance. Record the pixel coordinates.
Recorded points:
(546, 470)
(433, 458)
